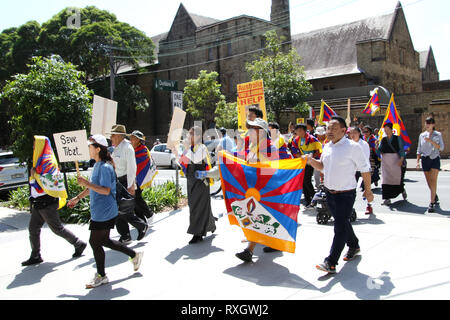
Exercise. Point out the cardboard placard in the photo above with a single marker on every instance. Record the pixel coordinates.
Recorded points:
(72, 146)
(176, 128)
(250, 94)
(104, 115)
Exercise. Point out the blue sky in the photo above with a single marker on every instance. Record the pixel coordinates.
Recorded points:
(428, 20)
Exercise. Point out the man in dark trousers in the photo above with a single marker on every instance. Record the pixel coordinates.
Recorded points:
(125, 167)
(340, 160)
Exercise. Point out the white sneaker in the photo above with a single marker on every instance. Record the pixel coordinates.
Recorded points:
(137, 260)
(98, 280)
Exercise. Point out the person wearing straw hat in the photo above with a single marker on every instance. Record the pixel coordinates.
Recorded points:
(125, 166)
(145, 173)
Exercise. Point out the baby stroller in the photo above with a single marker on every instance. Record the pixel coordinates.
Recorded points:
(319, 202)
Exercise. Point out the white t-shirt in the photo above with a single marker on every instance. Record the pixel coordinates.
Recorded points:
(341, 161)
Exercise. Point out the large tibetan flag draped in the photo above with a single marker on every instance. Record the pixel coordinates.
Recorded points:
(373, 106)
(48, 179)
(325, 113)
(399, 129)
(146, 168)
(263, 198)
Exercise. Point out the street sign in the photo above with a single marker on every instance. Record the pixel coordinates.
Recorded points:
(177, 100)
(166, 85)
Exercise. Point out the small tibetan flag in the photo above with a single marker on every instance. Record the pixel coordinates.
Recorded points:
(325, 113)
(373, 106)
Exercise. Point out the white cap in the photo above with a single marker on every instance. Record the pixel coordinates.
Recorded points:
(99, 139)
(321, 131)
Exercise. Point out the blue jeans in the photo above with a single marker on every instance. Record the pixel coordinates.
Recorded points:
(341, 206)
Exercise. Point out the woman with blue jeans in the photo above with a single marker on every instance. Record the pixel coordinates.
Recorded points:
(101, 189)
(430, 144)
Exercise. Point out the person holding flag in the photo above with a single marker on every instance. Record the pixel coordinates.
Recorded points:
(48, 194)
(196, 158)
(145, 173)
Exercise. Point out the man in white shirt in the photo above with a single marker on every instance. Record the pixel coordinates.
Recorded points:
(340, 160)
(125, 166)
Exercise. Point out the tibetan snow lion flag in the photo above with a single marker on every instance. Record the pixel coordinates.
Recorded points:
(48, 179)
(325, 113)
(146, 167)
(263, 198)
(373, 106)
(399, 129)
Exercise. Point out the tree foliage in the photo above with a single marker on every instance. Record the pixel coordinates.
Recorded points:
(50, 98)
(285, 86)
(226, 115)
(202, 95)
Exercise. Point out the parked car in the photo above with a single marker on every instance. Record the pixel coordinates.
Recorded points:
(211, 145)
(13, 174)
(163, 156)
(70, 166)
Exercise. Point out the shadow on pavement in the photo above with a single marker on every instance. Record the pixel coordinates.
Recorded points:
(33, 274)
(104, 292)
(408, 207)
(265, 272)
(18, 221)
(364, 286)
(194, 251)
(371, 219)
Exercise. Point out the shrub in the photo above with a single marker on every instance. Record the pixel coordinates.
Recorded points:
(19, 198)
(161, 197)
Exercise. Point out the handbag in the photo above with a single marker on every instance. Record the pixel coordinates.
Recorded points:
(125, 201)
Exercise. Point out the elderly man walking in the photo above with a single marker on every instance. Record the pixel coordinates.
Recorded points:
(125, 166)
(340, 160)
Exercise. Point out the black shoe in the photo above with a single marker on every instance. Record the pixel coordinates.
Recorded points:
(245, 255)
(142, 233)
(32, 261)
(196, 239)
(269, 249)
(351, 253)
(431, 208)
(79, 250)
(125, 240)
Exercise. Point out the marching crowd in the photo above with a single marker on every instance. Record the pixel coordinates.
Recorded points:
(336, 157)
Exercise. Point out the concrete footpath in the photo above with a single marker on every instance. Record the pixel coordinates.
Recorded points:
(403, 256)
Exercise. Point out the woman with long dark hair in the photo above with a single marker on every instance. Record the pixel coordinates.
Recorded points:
(428, 150)
(196, 158)
(102, 191)
(392, 157)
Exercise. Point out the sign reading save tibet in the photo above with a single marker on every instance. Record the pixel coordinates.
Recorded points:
(72, 146)
(250, 94)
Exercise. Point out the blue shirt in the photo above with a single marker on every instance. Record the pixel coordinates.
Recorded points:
(103, 207)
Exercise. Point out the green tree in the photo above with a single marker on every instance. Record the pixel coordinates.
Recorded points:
(202, 95)
(226, 115)
(50, 98)
(285, 86)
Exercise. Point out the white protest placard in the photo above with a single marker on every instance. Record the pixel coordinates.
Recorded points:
(72, 146)
(104, 115)
(176, 128)
(177, 99)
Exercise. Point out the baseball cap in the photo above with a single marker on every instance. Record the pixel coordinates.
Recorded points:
(98, 139)
(138, 135)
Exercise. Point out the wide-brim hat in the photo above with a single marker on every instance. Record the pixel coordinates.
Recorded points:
(258, 122)
(138, 135)
(118, 129)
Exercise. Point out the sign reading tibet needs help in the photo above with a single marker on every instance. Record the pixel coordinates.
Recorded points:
(72, 146)
(250, 94)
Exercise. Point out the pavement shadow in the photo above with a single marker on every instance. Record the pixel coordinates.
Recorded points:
(18, 221)
(194, 251)
(265, 272)
(408, 207)
(371, 219)
(33, 274)
(364, 286)
(104, 292)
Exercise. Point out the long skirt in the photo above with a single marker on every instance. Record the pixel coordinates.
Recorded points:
(201, 219)
(392, 185)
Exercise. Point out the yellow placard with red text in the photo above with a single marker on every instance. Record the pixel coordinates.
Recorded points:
(250, 94)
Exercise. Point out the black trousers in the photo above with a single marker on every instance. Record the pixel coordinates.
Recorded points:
(141, 209)
(130, 218)
(308, 188)
(341, 207)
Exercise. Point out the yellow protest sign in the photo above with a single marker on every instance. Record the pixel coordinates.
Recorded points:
(300, 120)
(250, 94)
